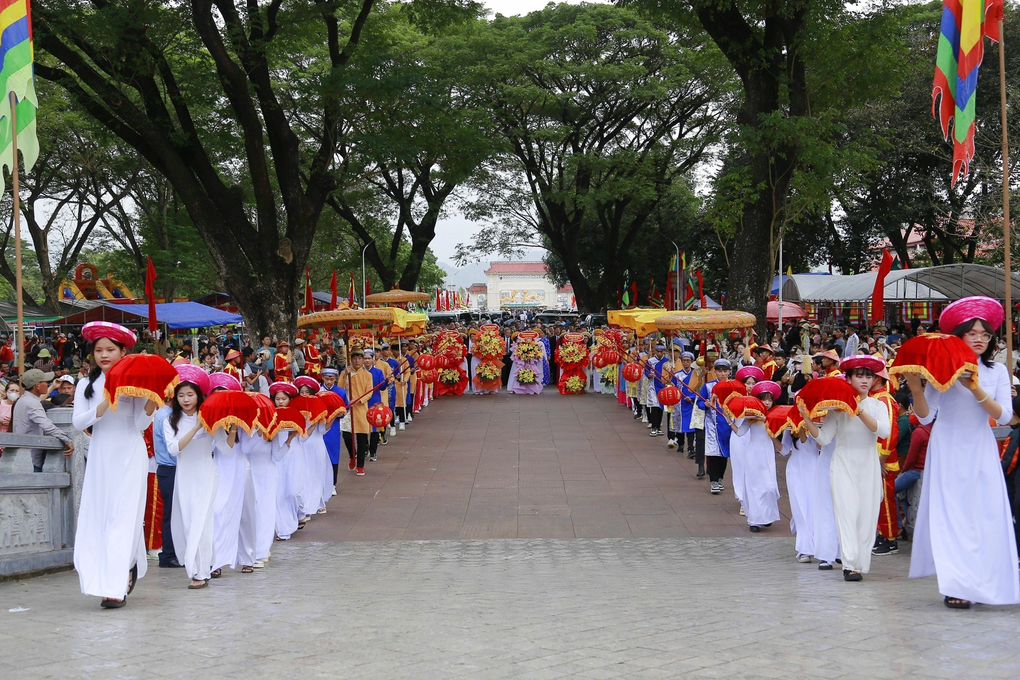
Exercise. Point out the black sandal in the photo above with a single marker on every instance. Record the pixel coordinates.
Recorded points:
(247, 569)
(956, 603)
(217, 573)
(133, 577)
(202, 583)
(112, 604)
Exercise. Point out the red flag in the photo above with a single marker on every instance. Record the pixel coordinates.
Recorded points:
(701, 290)
(150, 294)
(350, 292)
(467, 302)
(878, 295)
(633, 294)
(439, 306)
(368, 288)
(332, 288)
(309, 305)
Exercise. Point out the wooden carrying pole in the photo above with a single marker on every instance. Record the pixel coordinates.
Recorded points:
(19, 337)
(1005, 201)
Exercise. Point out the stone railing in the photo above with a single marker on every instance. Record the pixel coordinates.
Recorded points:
(38, 509)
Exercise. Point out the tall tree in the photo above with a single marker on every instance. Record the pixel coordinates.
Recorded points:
(603, 113)
(207, 91)
(417, 138)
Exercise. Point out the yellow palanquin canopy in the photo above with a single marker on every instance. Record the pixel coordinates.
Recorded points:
(703, 320)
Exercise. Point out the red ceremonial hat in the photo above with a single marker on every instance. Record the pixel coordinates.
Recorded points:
(769, 386)
(863, 361)
(746, 372)
(225, 381)
(194, 375)
(307, 381)
(965, 309)
(232, 354)
(285, 387)
(94, 330)
(828, 354)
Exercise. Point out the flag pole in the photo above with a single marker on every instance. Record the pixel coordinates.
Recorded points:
(1005, 200)
(20, 346)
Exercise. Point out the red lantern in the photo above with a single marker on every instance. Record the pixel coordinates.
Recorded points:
(379, 415)
(600, 360)
(669, 396)
(428, 377)
(426, 362)
(632, 372)
(441, 362)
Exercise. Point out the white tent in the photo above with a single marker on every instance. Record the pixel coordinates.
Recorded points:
(926, 284)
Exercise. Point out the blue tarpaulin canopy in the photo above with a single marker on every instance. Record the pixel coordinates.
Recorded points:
(176, 315)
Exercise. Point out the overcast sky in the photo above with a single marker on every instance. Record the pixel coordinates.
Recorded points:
(454, 228)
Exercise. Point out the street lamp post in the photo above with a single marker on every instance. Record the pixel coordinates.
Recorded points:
(363, 279)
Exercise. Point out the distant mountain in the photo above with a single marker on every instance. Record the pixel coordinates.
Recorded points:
(462, 277)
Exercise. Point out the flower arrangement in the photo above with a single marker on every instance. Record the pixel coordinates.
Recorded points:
(609, 375)
(487, 370)
(526, 376)
(449, 376)
(572, 353)
(451, 346)
(489, 344)
(574, 385)
(527, 351)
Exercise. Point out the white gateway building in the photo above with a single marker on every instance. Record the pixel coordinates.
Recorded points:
(524, 285)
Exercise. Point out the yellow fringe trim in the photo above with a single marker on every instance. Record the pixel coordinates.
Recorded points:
(223, 422)
(128, 391)
(822, 407)
(941, 387)
(288, 424)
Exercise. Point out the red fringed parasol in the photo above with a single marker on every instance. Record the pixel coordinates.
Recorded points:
(266, 419)
(727, 388)
(942, 359)
(228, 407)
(741, 406)
(825, 394)
(781, 418)
(313, 409)
(288, 418)
(148, 376)
(335, 406)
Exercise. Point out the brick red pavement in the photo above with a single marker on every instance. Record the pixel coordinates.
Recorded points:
(547, 466)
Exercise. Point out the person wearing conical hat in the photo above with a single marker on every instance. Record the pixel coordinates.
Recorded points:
(232, 367)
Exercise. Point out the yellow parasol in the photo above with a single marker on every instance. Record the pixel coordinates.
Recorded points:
(703, 320)
(641, 321)
(396, 297)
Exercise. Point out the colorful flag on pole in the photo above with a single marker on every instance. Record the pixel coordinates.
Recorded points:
(332, 289)
(965, 23)
(150, 293)
(17, 75)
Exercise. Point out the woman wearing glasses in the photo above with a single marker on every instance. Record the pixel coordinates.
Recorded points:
(964, 528)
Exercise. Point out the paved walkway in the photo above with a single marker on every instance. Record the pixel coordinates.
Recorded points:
(505, 466)
(327, 606)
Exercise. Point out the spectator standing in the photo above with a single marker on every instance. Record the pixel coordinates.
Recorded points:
(29, 417)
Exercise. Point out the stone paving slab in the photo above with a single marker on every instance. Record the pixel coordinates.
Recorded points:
(546, 466)
(525, 608)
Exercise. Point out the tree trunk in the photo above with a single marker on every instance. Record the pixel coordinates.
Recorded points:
(269, 304)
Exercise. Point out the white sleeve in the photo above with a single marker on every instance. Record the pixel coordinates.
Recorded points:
(141, 419)
(172, 439)
(1003, 394)
(934, 399)
(84, 410)
(827, 430)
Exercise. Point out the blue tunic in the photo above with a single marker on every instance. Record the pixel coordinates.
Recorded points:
(722, 426)
(686, 407)
(392, 390)
(332, 435)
